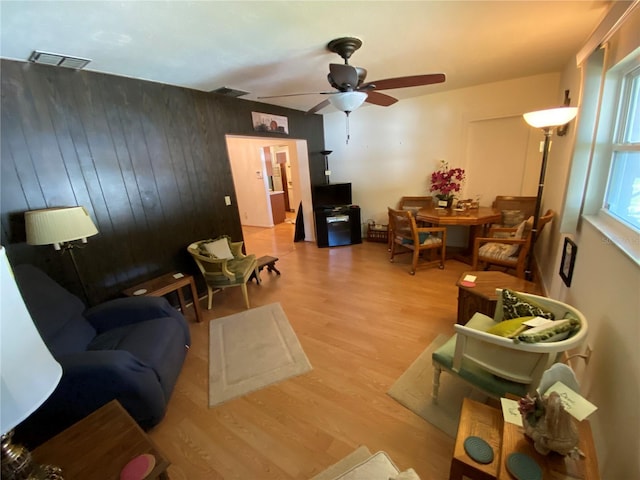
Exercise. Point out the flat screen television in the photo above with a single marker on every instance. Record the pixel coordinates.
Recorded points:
(332, 194)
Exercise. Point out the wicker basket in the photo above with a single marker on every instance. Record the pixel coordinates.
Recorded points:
(377, 233)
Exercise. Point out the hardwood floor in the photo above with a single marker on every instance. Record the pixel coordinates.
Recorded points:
(361, 321)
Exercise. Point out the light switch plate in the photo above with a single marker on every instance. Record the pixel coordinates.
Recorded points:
(227, 200)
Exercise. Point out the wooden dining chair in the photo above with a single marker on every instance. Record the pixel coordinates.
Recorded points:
(414, 203)
(514, 209)
(406, 237)
(410, 203)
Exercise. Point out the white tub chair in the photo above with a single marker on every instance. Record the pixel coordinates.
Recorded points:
(497, 365)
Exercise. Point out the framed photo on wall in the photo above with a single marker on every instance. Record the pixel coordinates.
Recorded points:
(568, 261)
(265, 122)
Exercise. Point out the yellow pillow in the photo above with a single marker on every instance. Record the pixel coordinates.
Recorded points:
(509, 328)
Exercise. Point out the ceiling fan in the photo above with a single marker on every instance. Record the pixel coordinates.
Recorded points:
(349, 82)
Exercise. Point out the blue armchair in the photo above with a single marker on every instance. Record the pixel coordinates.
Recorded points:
(129, 349)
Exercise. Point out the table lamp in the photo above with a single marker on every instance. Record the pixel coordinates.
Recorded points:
(546, 120)
(28, 374)
(60, 227)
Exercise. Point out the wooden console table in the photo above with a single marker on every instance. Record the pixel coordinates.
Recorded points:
(506, 438)
(482, 298)
(100, 445)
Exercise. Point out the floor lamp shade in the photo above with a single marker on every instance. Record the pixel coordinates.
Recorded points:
(28, 371)
(54, 226)
(551, 117)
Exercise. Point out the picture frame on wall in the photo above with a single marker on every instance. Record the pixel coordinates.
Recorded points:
(568, 262)
(265, 122)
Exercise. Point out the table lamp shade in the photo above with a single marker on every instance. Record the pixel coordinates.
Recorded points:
(57, 225)
(28, 371)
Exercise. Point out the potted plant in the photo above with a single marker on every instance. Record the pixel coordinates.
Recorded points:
(447, 181)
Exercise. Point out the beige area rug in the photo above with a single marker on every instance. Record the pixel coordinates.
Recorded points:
(251, 350)
(413, 390)
(354, 458)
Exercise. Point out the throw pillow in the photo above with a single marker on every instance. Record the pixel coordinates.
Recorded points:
(406, 475)
(509, 328)
(219, 248)
(514, 306)
(559, 330)
(513, 249)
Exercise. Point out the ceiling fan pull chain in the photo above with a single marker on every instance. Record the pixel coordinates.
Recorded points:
(347, 127)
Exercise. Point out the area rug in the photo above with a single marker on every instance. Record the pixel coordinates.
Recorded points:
(251, 350)
(413, 390)
(354, 458)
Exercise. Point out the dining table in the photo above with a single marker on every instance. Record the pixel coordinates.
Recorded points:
(477, 219)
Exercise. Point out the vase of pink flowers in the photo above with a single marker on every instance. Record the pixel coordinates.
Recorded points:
(447, 182)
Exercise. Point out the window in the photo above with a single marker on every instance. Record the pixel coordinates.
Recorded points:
(622, 197)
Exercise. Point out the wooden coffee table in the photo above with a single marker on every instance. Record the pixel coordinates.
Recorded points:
(483, 298)
(100, 445)
(171, 282)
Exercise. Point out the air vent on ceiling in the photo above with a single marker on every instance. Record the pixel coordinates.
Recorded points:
(58, 60)
(229, 92)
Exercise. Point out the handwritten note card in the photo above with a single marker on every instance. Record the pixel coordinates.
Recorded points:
(510, 411)
(576, 405)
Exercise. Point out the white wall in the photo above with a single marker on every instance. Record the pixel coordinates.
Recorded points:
(252, 194)
(250, 181)
(606, 289)
(393, 150)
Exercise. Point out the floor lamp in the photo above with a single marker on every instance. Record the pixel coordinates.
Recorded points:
(28, 374)
(60, 227)
(546, 120)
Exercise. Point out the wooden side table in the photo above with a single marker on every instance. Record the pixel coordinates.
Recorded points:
(482, 298)
(481, 421)
(553, 465)
(100, 445)
(171, 282)
(506, 438)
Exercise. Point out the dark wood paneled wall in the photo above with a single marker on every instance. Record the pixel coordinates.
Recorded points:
(149, 162)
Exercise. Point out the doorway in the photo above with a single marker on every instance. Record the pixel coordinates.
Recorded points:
(254, 186)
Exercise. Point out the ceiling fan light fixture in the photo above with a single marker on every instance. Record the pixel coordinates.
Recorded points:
(347, 101)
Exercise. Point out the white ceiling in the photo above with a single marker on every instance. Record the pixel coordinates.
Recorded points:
(272, 48)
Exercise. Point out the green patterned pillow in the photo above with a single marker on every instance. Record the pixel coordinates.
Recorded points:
(559, 330)
(509, 328)
(514, 306)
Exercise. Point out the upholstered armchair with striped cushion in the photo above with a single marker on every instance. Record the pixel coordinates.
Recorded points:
(507, 247)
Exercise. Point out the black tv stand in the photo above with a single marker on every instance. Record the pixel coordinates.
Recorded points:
(337, 225)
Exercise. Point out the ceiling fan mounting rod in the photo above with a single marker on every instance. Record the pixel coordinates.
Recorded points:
(344, 47)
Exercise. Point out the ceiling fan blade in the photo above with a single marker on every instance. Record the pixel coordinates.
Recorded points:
(380, 99)
(320, 106)
(343, 77)
(297, 94)
(410, 81)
